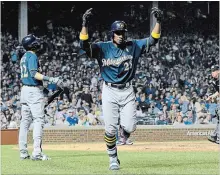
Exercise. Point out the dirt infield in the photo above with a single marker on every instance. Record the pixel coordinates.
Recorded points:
(182, 146)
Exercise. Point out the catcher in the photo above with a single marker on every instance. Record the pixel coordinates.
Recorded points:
(118, 61)
(214, 137)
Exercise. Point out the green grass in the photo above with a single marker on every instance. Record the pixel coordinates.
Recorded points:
(77, 162)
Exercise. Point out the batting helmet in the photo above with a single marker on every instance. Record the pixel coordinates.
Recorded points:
(30, 42)
(119, 26)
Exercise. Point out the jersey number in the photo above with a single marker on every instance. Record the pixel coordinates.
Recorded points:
(24, 73)
(127, 65)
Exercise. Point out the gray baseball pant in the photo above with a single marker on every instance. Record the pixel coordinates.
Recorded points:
(118, 103)
(32, 110)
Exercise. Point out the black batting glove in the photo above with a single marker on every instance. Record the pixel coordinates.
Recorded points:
(158, 14)
(86, 17)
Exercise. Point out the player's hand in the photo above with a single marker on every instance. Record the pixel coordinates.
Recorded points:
(158, 14)
(86, 17)
(54, 80)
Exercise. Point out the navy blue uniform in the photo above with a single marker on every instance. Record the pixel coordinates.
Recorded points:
(118, 66)
(32, 105)
(32, 100)
(216, 85)
(29, 62)
(118, 61)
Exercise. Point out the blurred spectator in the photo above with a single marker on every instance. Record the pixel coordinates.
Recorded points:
(143, 105)
(171, 81)
(202, 115)
(178, 121)
(66, 91)
(93, 120)
(83, 119)
(72, 118)
(4, 121)
(11, 122)
(87, 97)
(60, 114)
(161, 119)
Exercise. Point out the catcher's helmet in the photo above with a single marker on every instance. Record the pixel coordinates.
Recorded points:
(215, 67)
(30, 42)
(119, 26)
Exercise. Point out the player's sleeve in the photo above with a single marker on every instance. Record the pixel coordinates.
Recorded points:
(146, 43)
(92, 49)
(33, 65)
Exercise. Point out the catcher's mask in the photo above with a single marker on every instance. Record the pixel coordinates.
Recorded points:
(119, 28)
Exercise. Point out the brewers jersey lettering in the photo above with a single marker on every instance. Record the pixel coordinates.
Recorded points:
(117, 65)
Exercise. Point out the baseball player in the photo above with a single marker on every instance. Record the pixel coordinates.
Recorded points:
(118, 60)
(215, 135)
(32, 99)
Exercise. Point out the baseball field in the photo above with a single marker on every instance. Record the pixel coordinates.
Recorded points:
(182, 157)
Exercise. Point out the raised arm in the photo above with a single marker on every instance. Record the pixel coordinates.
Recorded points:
(155, 34)
(146, 43)
(84, 32)
(84, 36)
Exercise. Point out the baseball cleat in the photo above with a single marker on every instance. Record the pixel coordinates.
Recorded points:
(129, 142)
(114, 165)
(40, 157)
(25, 158)
(213, 139)
(120, 142)
(125, 142)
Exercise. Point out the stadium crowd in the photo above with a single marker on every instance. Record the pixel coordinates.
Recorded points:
(172, 82)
